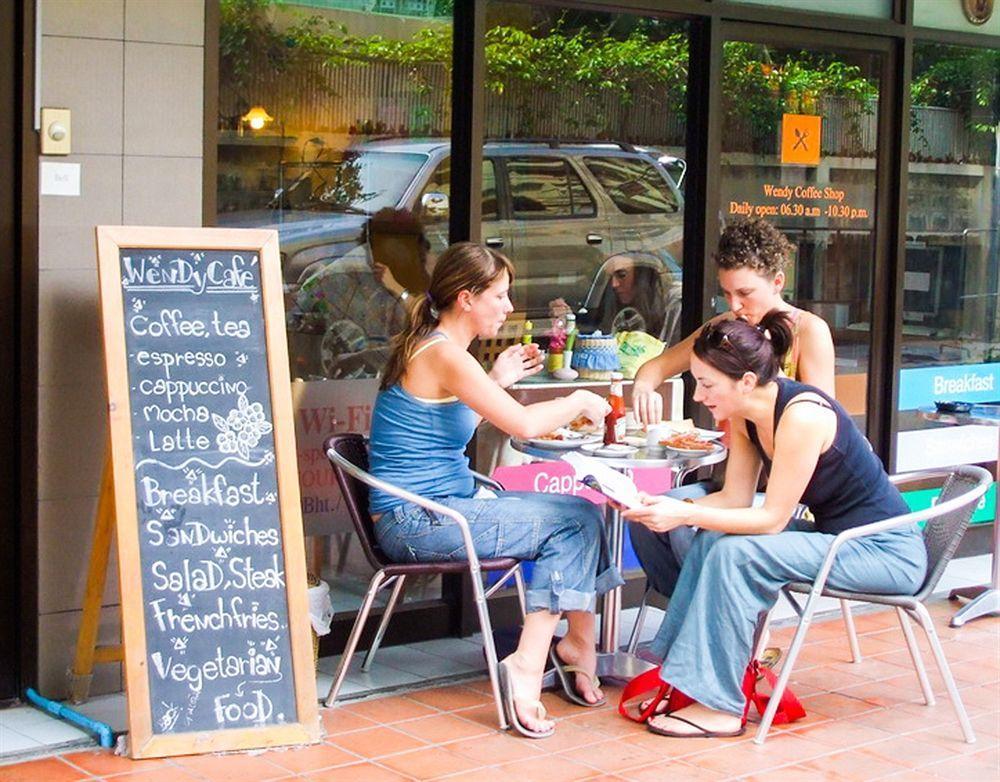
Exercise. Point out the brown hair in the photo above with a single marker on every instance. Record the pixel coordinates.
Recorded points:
(735, 347)
(465, 266)
(753, 243)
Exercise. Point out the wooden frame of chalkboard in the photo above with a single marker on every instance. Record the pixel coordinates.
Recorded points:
(247, 594)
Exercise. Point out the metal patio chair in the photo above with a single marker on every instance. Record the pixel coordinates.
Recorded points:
(946, 522)
(348, 455)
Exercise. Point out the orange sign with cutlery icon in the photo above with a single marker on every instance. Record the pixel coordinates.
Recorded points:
(800, 139)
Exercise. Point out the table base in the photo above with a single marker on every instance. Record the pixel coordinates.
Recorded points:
(986, 601)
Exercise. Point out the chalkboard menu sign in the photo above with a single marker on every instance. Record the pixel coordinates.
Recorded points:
(217, 646)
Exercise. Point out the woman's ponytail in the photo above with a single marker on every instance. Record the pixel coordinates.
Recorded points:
(422, 317)
(776, 326)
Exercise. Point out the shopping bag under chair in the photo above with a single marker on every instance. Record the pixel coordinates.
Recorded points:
(650, 687)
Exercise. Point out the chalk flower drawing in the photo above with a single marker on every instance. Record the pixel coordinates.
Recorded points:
(242, 429)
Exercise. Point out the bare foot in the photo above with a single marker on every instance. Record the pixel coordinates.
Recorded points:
(573, 651)
(526, 684)
(705, 720)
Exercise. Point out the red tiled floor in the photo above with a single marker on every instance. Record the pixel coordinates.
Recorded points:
(45, 770)
(104, 764)
(865, 721)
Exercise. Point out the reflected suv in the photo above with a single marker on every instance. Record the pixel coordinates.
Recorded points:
(558, 210)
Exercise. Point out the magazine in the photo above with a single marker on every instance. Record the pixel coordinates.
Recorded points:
(611, 483)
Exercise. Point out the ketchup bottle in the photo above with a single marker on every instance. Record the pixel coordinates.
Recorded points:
(614, 423)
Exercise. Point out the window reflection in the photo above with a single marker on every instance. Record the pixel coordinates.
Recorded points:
(348, 161)
(586, 117)
(781, 102)
(951, 308)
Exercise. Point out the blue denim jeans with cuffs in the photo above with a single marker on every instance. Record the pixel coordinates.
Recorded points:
(562, 535)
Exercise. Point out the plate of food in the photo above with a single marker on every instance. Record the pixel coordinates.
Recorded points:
(612, 450)
(564, 438)
(689, 444)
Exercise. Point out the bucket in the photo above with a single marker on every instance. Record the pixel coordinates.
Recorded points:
(320, 610)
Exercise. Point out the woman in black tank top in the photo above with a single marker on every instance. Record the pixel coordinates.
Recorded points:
(812, 453)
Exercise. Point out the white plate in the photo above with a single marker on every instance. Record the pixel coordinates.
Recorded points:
(635, 439)
(693, 451)
(704, 434)
(570, 440)
(600, 449)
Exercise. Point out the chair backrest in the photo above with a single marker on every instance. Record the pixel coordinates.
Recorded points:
(353, 447)
(942, 534)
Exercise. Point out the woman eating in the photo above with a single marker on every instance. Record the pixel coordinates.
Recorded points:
(433, 395)
(813, 453)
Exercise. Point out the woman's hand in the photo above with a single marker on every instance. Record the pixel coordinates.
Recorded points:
(594, 407)
(661, 514)
(647, 404)
(558, 308)
(384, 275)
(516, 363)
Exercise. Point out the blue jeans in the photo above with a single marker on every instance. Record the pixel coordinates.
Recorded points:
(728, 581)
(661, 553)
(563, 535)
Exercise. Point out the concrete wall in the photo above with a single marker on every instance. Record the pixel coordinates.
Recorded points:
(131, 71)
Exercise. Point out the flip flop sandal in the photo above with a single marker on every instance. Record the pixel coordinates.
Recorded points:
(507, 693)
(769, 659)
(567, 678)
(702, 734)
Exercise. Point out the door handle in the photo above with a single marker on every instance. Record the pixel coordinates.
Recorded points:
(594, 238)
(494, 241)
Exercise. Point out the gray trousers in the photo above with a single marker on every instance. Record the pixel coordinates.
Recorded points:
(661, 553)
(729, 581)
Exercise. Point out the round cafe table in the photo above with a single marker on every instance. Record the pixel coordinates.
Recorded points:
(986, 599)
(611, 661)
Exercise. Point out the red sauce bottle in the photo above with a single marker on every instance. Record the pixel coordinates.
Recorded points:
(614, 423)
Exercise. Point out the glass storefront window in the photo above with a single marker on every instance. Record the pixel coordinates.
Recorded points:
(799, 148)
(585, 118)
(873, 8)
(333, 129)
(951, 306)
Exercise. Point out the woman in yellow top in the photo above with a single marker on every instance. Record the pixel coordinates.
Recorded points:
(751, 258)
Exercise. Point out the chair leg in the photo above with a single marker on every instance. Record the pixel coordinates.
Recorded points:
(488, 646)
(924, 617)
(852, 634)
(763, 636)
(918, 660)
(786, 669)
(640, 620)
(521, 599)
(352, 642)
(390, 606)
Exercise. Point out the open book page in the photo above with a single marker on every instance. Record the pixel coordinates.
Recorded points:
(613, 484)
(601, 478)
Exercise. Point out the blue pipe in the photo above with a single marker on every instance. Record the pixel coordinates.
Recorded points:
(56, 709)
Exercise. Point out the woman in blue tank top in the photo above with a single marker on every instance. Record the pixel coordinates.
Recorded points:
(433, 395)
(812, 453)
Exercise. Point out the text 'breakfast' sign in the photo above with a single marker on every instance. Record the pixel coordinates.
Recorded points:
(218, 652)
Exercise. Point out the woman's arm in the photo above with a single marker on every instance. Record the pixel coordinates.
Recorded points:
(646, 401)
(804, 432)
(816, 353)
(460, 374)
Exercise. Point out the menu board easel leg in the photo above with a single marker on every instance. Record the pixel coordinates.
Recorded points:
(87, 650)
